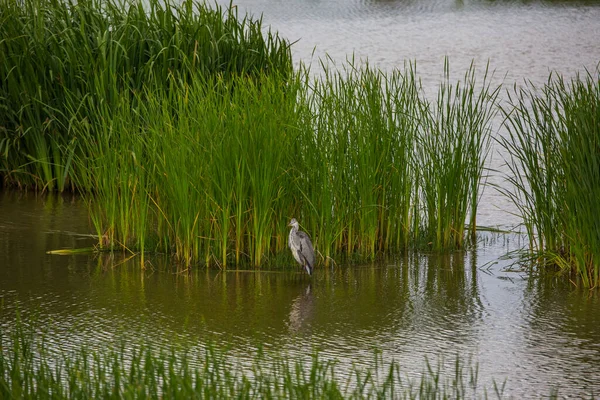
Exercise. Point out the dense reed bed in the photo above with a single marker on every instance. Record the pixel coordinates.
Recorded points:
(554, 142)
(29, 371)
(361, 158)
(59, 60)
(188, 133)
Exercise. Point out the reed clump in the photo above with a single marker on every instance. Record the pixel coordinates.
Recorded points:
(212, 171)
(188, 133)
(60, 60)
(554, 141)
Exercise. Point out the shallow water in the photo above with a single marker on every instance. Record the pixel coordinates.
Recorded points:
(536, 334)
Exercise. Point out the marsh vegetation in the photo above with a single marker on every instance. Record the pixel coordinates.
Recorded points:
(188, 132)
(554, 143)
(28, 370)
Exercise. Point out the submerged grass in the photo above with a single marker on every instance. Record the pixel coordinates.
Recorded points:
(554, 142)
(29, 370)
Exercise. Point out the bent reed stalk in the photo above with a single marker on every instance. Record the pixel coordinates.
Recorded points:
(554, 141)
(188, 133)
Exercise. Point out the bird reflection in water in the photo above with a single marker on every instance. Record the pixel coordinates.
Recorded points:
(301, 312)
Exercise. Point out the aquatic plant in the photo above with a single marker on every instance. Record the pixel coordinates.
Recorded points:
(29, 370)
(355, 163)
(188, 133)
(59, 60)
(553, 141)
(205, 171)
(212, 171)
(452, 152)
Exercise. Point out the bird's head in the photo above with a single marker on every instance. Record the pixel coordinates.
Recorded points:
(294, 223)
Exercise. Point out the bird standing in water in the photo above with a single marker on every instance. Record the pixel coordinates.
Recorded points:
(301, 247)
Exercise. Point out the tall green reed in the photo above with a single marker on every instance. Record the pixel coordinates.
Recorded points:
(214, 169)
(205, 168)
(356, 150)
(553, 140)
(56, 55)
(454, 144)
(188, 133)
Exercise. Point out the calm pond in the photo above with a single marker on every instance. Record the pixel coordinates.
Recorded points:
(537, 334)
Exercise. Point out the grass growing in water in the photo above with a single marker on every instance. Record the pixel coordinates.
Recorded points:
(554, 142)
(188, 133)
(452, 153)
(29, 370)
(213, 170)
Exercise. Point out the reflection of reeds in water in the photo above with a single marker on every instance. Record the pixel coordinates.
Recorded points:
(554, 142)
(449, 291)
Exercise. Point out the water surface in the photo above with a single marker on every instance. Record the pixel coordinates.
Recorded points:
(536, 334)
(523, 39)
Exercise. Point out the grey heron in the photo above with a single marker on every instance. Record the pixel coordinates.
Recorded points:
(301, 247)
